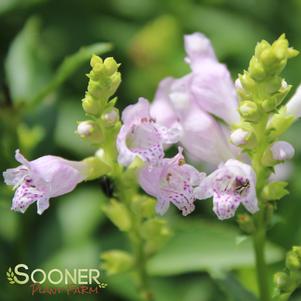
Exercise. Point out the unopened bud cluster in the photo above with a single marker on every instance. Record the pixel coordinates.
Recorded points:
(104, 79)
(139, 221)
(261, 91)
(289, 279)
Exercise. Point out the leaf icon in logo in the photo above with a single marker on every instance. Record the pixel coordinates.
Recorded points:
(10, 276)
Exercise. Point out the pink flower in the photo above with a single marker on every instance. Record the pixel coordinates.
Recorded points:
(142, 136)
(293, 107)
(172, 181)
(203, 137)
(42, 179)
(230, 185)
(211, 84)
(282, 151)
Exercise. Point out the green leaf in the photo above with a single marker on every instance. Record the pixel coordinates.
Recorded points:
(69, 66)
(80, 213)
(9, 5)
(205, 246)
(26, 69)
(232, 288)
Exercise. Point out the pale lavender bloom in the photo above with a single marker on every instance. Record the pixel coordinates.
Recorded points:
(293, 107)
(211, 84)
(282, 151)
(203, 137)
(198, 47)
(172, 181)
(142, 136)
(230, 185)
(282, 172)
(239, 137)
(42, 179)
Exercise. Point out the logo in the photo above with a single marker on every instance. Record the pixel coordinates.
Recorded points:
(56, 281)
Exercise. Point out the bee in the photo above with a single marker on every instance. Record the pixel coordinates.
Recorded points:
(241, 186)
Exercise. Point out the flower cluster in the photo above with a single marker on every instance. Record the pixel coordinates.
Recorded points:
(216, 122)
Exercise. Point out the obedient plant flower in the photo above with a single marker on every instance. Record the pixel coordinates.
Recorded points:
(142, 136)
(42, 179)
(172, 181)
(203, 137)
(211, 84)
(293, 107)
(282, 151)
(232, 184)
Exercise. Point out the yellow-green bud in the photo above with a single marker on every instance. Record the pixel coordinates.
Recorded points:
(118, 214)
(156, 232)
(249, 110)
(117, 262)
(144, 206)
(246, 223)
(96, 168)
(90, 106)
(95, 59)
(292, 261)
(110, 117)
(282, 281)
(90, 130)
(272, 103)
(110, 65)
(247, 82)
(115, 82)
(297, 251)
(274, 191)
(279, 123)
(256, 69)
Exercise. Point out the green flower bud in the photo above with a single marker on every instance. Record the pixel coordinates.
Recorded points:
(115, 82)
(95, 59)
(271, 104)
(90, 106)
(282, 281)
(156, 232)
(256, 69)
(118, 214)
(260, 47)
(249, 111)
(292, 261)
(274, 191)
(246, 223)
(111, 117)
(297, 251)
(111, 66)
(89, 130)
(247, 82)
(96, 168)
(244, 136)
(144, 206)
(117, 262)
(279, 123)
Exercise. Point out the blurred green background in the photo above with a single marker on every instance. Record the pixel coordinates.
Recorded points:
(206, 260)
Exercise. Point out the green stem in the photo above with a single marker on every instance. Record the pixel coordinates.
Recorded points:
(259, 237)
(261, 267)
(136, 241)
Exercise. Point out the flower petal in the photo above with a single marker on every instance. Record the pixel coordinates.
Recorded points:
(162, 206)
(136, 111)
(225, 205)
(25, 195)
(198, 47)
(214, 91)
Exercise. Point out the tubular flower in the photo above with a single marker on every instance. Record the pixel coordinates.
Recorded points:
(42, 179)
(203, 137)
(172, 181)
(230, 185)
(211, 84)
(142, 136)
